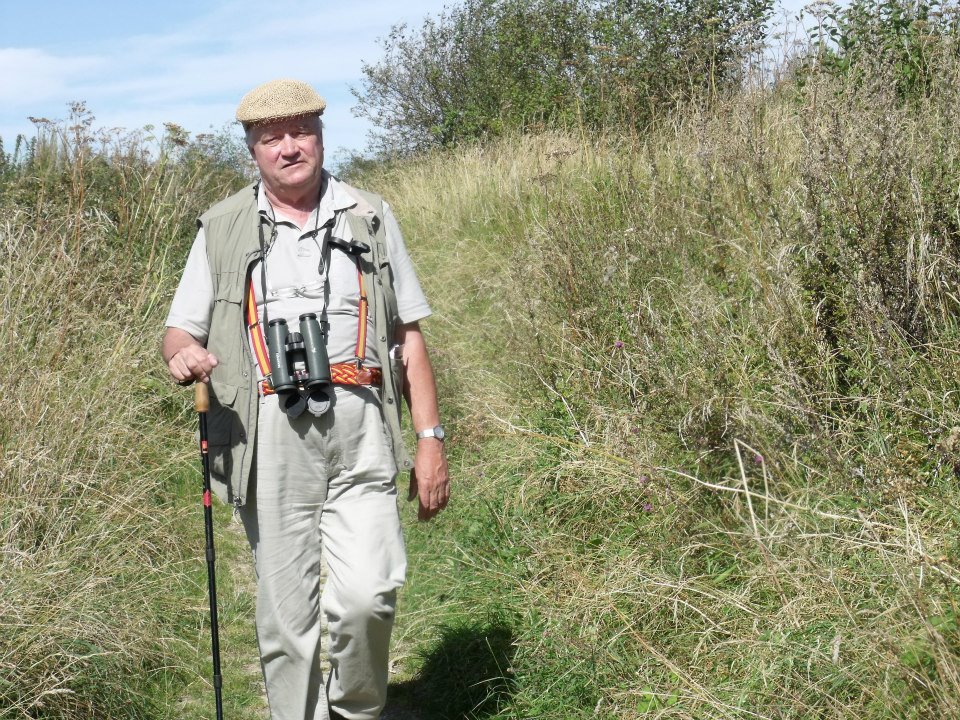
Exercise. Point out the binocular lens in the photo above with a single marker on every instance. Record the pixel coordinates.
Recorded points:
(280, 376)
(315, 347)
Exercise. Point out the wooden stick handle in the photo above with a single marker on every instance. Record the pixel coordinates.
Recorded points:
(201, 398)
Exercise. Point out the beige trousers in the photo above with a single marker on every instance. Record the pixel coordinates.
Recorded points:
(325, 485)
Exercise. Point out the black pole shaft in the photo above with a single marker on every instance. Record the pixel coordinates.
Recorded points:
(202, 404)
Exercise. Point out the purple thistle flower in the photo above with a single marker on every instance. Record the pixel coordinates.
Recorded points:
(758, 458)
(647, 507)
(618, 344)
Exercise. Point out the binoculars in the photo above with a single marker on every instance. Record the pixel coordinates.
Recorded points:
(298, 360)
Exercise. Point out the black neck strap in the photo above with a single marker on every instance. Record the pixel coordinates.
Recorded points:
(325, 259)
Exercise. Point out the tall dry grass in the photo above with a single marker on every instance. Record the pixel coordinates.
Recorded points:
(704, 386)
(92, 559)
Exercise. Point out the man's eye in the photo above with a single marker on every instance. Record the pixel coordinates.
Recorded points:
(270, 140)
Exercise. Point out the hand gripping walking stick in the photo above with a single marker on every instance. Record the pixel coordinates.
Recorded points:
(202, 405)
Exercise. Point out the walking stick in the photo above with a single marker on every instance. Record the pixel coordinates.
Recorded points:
(202, 405)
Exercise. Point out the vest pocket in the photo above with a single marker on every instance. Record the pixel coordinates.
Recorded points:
(223, 431)
(227, 336)
(229, 287)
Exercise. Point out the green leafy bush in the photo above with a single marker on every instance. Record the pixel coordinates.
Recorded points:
(487, 66)
(907, 38)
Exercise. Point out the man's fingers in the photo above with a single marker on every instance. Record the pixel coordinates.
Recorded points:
(425, 513)
(433, 499)
(413, 485)
(437, 498)
(192, 363)
(181, 373)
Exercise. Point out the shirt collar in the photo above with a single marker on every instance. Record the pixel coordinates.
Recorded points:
(334, 198)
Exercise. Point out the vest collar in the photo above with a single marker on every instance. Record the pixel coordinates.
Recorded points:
(335, 197)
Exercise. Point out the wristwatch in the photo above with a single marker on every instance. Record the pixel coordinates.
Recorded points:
(434, 432)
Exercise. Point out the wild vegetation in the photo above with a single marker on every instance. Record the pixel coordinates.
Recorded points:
(485, 67)
(706, 412)
(99, 601)
(702, 381)
(705, 381)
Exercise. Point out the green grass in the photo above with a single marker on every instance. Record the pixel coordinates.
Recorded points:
(701, 393)
(702, 389)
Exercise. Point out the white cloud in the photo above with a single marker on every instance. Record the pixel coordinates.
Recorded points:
(31, 75)
(195, 74)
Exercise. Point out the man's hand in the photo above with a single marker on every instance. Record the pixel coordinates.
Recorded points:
(187, 360)
(429, 478)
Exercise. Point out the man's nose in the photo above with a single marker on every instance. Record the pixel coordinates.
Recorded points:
(288, 146)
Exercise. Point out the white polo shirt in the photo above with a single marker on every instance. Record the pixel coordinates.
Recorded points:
(296, 276)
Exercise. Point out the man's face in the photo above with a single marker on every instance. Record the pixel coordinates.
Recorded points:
(289, 155)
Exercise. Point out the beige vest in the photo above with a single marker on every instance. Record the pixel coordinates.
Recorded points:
(233, 246)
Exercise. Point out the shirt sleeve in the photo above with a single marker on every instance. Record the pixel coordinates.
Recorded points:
(192, 303)
(411, 302)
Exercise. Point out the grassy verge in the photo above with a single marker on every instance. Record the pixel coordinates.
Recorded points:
(702, 389)
(101, 605)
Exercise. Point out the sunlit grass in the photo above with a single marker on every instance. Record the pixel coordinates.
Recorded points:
(703, 386)
(701, 389)
(100, 595)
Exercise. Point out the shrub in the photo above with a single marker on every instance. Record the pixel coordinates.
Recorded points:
(488, 66)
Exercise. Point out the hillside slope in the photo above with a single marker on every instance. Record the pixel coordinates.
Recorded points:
(701, 388)
(703, 392)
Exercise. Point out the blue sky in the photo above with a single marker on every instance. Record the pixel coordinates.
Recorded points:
(140, 63)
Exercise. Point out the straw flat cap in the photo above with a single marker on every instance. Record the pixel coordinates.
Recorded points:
(279, 100)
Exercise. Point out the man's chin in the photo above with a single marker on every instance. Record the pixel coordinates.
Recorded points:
(298, 180)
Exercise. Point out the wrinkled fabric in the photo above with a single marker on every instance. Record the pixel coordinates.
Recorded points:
(325, 486)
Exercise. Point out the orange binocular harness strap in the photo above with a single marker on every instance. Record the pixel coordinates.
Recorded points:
(360, 352)
(259, 341)
(256, 332)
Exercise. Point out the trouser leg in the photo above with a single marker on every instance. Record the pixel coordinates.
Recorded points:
(366, 564)
(281, 519)
(325, 484)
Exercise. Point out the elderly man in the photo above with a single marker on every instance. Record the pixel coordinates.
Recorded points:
(311, 463)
